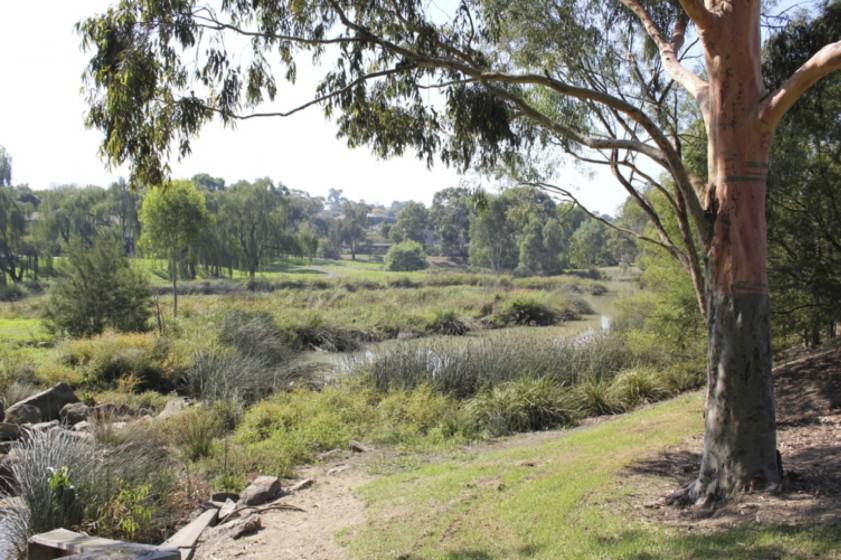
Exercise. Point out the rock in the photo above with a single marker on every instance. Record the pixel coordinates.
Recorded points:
(333, 453)
(9, 432)
(23, 413)
(338, 469)
(227, 509)
(236, 529)
(298, 486)
(82, 426)
(175, 406)
(6, 446)
(2, 412)
(223, 497)
(359, 447)
(263, 489)
(73, 413)
(44, 426)
(48, 403)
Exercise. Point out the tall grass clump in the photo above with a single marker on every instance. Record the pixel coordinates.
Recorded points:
(57, 476)
(14, 528)
(252, 359)
(523, 405)
(463, 367)
(64, 480)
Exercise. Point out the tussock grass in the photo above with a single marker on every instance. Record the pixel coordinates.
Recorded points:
(463, 367)
(523, 405)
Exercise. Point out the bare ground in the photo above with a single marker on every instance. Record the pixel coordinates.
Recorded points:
(329, 505)
(808, 394)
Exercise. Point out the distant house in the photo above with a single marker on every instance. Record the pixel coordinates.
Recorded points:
(376, 218)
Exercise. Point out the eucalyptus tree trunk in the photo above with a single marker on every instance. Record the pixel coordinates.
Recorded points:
(740, 434)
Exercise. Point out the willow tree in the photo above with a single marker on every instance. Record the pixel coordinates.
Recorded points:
(504, 82)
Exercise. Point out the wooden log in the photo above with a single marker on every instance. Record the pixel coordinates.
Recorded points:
(185, 540)
(61, 543)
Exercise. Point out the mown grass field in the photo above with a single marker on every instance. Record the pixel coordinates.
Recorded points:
(566, 498)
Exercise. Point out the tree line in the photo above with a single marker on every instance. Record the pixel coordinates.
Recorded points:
(205, 226)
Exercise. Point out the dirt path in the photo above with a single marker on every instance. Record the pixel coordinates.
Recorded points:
(329, 505)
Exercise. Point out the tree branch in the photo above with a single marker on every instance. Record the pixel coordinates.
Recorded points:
(822, 63)
(583, 139)
(668, 50)
(312, 102)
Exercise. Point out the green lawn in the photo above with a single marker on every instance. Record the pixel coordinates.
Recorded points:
(570, 504)
(29, 330)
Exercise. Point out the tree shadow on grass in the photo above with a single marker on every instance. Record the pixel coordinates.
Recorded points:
(747, 542)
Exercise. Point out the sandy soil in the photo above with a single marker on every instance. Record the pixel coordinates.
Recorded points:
(329, 505)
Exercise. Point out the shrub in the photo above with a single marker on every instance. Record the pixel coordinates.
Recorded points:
(193, 431)
(290, 428)
(406, 256)
(598, 289)
(102, 361)
(314, 333)
(131, 404)
(11, 292)
(523, 405)
(412, 416)
(98, 289)
(446, 323)
(525, 312)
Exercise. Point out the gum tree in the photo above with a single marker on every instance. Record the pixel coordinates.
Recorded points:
(506, 83)
(172, 219)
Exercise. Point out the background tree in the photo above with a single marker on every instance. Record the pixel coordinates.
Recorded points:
(5, 168)
(354, 225)
(804, 211)
(308, 239)
(208, 182)
(256, 217)
(589, 246)
(493, 244)
(412, 224)
(602, 81)
(13, 243)
(450, 219)
(172, 217)
(98, 289)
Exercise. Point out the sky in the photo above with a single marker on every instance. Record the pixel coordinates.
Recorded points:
(42, 112)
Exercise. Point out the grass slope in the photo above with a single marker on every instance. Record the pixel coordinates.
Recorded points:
(568, 497)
